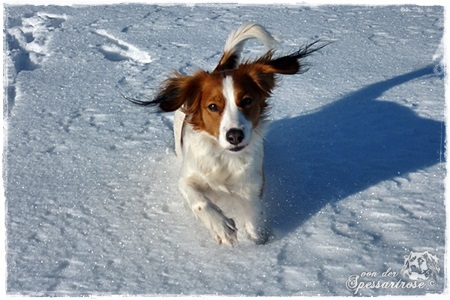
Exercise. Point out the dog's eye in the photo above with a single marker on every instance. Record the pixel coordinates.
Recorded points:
(213, 107)
(246, 101)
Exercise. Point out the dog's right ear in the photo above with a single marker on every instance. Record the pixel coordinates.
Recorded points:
(175, 92)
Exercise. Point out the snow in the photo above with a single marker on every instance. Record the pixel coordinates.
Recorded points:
(355, 156)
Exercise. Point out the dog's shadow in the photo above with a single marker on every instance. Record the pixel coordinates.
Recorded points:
(345, 147)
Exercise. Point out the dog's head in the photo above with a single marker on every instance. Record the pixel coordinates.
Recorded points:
(420, 265)
(230, 103)
(227, 104)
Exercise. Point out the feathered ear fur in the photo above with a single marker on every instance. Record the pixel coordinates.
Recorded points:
(176, 91)
(264, 70)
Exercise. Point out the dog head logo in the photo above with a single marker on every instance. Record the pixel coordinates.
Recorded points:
(420, 266)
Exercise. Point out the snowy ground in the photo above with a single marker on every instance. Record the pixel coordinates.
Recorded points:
(355, 161)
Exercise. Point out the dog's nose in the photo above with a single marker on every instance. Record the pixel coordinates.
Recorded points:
(235, 136)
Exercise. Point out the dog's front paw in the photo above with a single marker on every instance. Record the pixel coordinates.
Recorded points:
(226, 232)
(223, 229)
(258, 234)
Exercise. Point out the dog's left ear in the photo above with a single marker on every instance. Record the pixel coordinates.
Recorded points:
(264, 70)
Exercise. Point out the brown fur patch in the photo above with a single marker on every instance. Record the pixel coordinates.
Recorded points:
(208, 93)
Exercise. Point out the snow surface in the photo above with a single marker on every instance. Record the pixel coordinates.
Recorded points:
(355, 160)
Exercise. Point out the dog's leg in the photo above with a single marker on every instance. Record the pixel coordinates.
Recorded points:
(178, 127)
(223, 229)
(256, 221)
(255, 216)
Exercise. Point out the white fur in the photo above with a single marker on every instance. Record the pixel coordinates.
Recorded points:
(224, 188)
(232, 116)
(178, 121)
(236, 40)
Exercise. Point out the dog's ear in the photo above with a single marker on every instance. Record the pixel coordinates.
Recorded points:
(265, 69)
(432, 261)
(176, 91)
(294, 63)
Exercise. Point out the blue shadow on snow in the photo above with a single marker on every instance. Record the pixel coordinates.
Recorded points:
(346, 147)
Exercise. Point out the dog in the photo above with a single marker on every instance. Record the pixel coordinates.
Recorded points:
(220, 121)
(420, 266)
